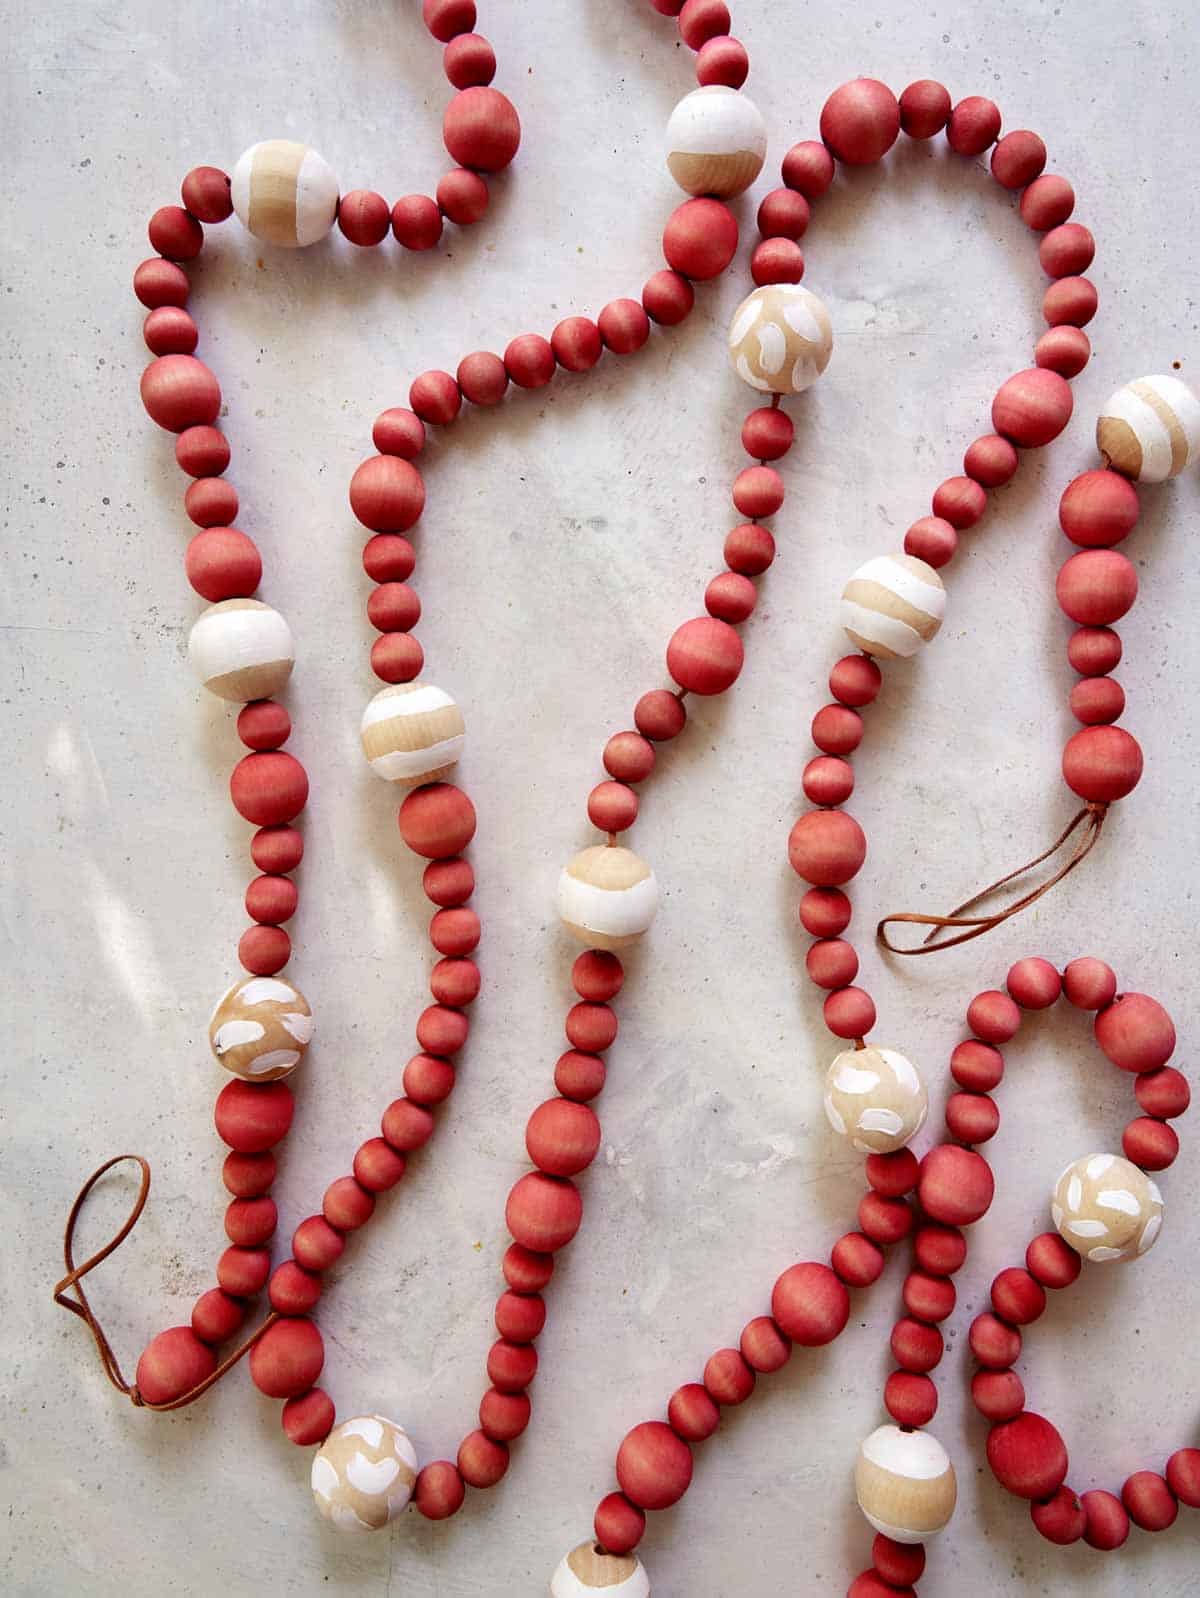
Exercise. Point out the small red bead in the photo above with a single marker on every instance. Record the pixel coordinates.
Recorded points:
(1067, 250)
(399, 432)
(175, 234)
(660, 715)
(783, 214)
(206, 194)
(526, 1271)
(749, 549)
(900, 1563)
(211, 502)
(810, 1304)
(346, 1205)
(692, 1413)
(170, 331)
(481, 1462)
(437, 820)
(722, 60)
(1149, 1501)
(202, 451)
(993, 1016)
(1089, 984)
(837, 730)
(579, 1076)
(1070, 302)
(216, 1315)
(417, 222)
(455, 982)
(222, 563)
(529, 360)
(972, 1117)
(910, 1397)
(520, 1317)
(511, 1366)
(172, 1364)
(428, 1079)
(764, 1346)
(777, 261)
(758, 491)
(998, 1395)
(1051, 1262)
(977, 1066)
(700, 239)
(825, 912)
(1047, 202)
(248, 1175)
(1107, 1524)
(1034, 983)
(832, 963)
(855, 680)
(439, 1491)
(294, 1291)
(1135, 1033)
(939, 1249)
(1018, 1296)
(447, 18)
(973, 126)
(612, 806)
(728, 1378)
(308, 1419)
(463, 196)
(406, 1126)
(364, 217)
(884, 1220)
(654, 1466)
(504, 1416)
(849, 1013)
(316, 1244)
(543, 1212)
(961, 501)
(991, 460)
(856, 1259)
(469, 61)
(860, 121)
(436, 398)
(1163, 1093)
(377, 1166)
(455, 930)
(624, 326)
(482, 378)
(178, 392)
(629, 758)
(618, 1524)
(287, 1358)
(1097, 701)
(1064, 349)
(915, 1346)
(450, 883)
(924, 108)
(808, 168)
(264, 950)
(481, 129)
(956, 1185)
(576, 344)
(1018, 158)
(994, 1343)
(1060, 1519)
(933, 540)
(1102, 764)
(1033, 407)
(157, 282)
(242, 1272)
(869, 1585)
(894, 1175)
(730, 597)
(767, 433)
(591, 1027)
(1027, 1456)
(1094, 651)
(667, 298)
(1183, 1476)
(271, 899)
(597, 975)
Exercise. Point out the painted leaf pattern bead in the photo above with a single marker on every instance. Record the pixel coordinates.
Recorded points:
(892, 605)
(1106, 1208)
(261, 1029)
(585, 1570)
(780, 338)
(363, 1474)
(876, 1098)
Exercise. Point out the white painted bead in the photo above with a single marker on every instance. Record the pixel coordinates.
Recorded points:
(905, 1483)
(241, 649)
(892, 605)
(284, 193)
(1107, 1208)
(261, 1028)
(876, 1098)
(716, 141)
(607, 896)
(1150, 429)
(363, 1473)
(780, 338)
(412, 733)
(584, 1571)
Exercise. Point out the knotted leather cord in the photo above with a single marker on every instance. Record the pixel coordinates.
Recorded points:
(1091, 817)
(78, 1304)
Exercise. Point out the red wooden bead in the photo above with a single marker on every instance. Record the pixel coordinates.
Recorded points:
(831, 963)
(450, 883)
(579, 1076)
(1065, 350)
(157, 282)
(170, 331)
(1070, 302)
(1149, 1143)
(591, 1027)
(399, 432)
(481, 1462)
(939, 1249)
(612, 806)
(1107, 1524)
(767, 434)
(428, 1079)
(825, 912)
(861, 121)
(974, 125)
(629, 758)
(660, 715)
(175, 234)
(287, 1358)
(216, 1315)
(849, 1013)
(827, 848)
(597, 975)
(520, 1317)
(1089, 984)
(702, 20)
(1067, 250)
(1033, 407)
(455, 930)
(377, 1166)
(436, 398)
(463, 196)
(868, 1585)
(808, 168)
(1060, 1519)
(576, 344)
(618, 1524)
(1183, 1476)
(1102, 764)
(624, 326)
(993, 1016)
(394, 608)
(998, 1395)
(977, 1066)
(1163, 1093)
(910, 1398)
(406, 1126)
(482, 378)
(749, 549)
(972, 1117)
(1135, 1032)
(916, 1346)
(526, 1271)
(855, 680)
(529, 360)
(1027, 1456)
(1018, 158)
(956, 1185)
(783, 214)
(441, 1030)
(387, 494)
(172, 1364)
(253, 1116)
(667, 298)
(397, 657)
(700, 239)
(995, 1344)
(179, 391)
(211, 502)
(991, 460)
(1018, 1296)
(654, 1466)
(722, 60)
(316, 1244)
(777, 261)
(728, 1378)
(705, 656)
(206, 194)
(828, 781)
(446, 18)
(294, 1291)
(347, 1206)
(763, 1345)
(308, 1419)
(248, 1175)
(894, 1175)
(364, 217)
(417, 221)
(810, 1304)
(931, 539)
(1093, 651)
(856, 1259)
(202, 451)
(504, 1416)
(481, 129)
(562, 1137)
(388, 558)
(961, 501)
(455, 982)
(268, 788)
(837, 730)
(692, 1413)
(250, 1221)
(241, 1272)
(543, 1212)
(222, 563)
(511, 1366)
(439, 1490)
(900, 1563)
(924, 108)
(1034, 983)
(468, 61)
(1097, 701)
(437, 820)
(1052, 1262)
(1098, 509)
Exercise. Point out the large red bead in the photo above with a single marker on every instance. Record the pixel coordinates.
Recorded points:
(222, 563)
(437, 820)
(924, 108)
(700, 239)
(268, 787)
(654, 1466)
(705, 656)
(1060, 1519)
(562, 1137)
(1102, 764)
(287, 1359)
(827, 848)
(1096, 587)
(481, 129)
(1051, 1261)
(1135, 1033)
(172, 1364)
(618, 1524)
(1098, 509)
(810, 1304)
(439, 1491)
(543, 1212)
(179, 391)
(1027, 1456)
(1107, 1524)
(956, 1185)
(387, 494)
(860, 121)
(253, 1116)
(1033, 407)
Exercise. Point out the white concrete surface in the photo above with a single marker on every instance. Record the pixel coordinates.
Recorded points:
(565, 536)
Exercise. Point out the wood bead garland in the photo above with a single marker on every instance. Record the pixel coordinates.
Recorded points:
(607, 896)
(780, 339)
(284, 193)
(364, 1473)
(412, 733)
(716, 142)
(261, 1029)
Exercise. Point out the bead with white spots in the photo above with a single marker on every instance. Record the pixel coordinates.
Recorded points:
(716, 141)
(584, 1570)
(892, 605)
(607, 896)
(284, 193)
(412, 733)
(905, 1483)
(261, 1028)
(241, 650)
(780, 338)
(1150, 429)
(876, 1098)
(364, 1472)
(1107, 1208)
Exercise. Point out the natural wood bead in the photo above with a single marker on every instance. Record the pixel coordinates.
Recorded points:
(1070, 302)
(1102, 764)
(241, 650)
(976, 1066)
(960, 501)
(1107, 1524)
(932, 540)
(387, 494)
(904, 1483)
(437, 821)
(728, 1379)
(1163, 1093)
(1033, 983)
(586, 1570)
(1135, 1033)
(1149, 430)
(1106, 1208)
(1089, 984)
(607, 896)
(172, 1364)
(780, 339)
(723, 60)
(284, 193)
(436, 398)
(481, 129)
(364, 1473)
(287, 1359)
(892, 605)
(202, 451)
(170, 331)
(956, 1185)
(222, 563)
(216, 1316)
(205, 192)
(991, 460)
(808, 168)
(543, 1212)
(1183, 1476)
(447, 18)
(660, 715)
(861, 121)
(857, 1260)
(777, 261)
(692, 1413)
(1097, 701)
(810, 1304)
(417, 221)
(910, 1398)
(654, 1466)
(924, 108)
(157, 282)
(973, 126)
(175, 234)
(764, 1347)
(783, 214)
(482, 1462)
(412, 733)
(1094, 651)
(271, 900)
(1027, 1456)
(1018, 159)
(876, 1098)
(972, 1117)
(998, 1395)
(940, 1249)
(700, 238)
(576, 344)
(463, 196)
(179, 391)
(828, 781)
(618, 1524)
(667, 298)
(716, 142)
(529, 360)
(468, 61)
(1047, 202)
(855, 680)
(827, 848)
(1033, 407)
(504, 1416)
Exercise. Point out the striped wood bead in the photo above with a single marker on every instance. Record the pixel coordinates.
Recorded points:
(412, 733)
(284, 193)
(607, 896)
(892, 605)
(716, 141)
(241, 649)
(1150, 429)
